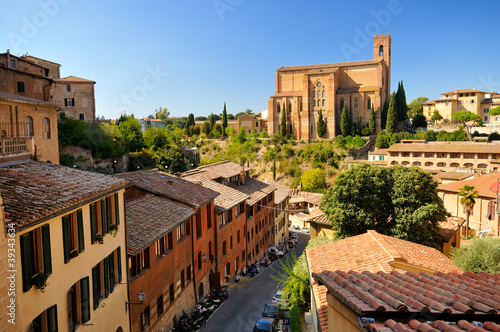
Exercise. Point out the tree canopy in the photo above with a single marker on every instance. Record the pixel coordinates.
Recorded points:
(321, 127)
(436, 116)
(468, 120)
(392, 116)
(345, 123)
(224, 120)
(283, 122)
(495, 111)
(397, 201)
(371, 122)
(313, 179)
(481, 255)
(416, 107)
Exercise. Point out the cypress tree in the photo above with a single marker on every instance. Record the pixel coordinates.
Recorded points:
(321, 128)
(345, 123)
(189, 124)
(392, 117)
(383, 116)
(224, 120)
(283, 122)
(371, 122)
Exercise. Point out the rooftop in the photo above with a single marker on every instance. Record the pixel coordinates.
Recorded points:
(331, 65)
(170, 186)
(448, 228)
(151, 217)
(224, 169)
(257, 190)
(281, 193)
(317, 216)
(482, 184)
(465, 91)
(228, 197)
(24, 100)
(465, 147)
(304, 196)
(33, 192)
(73, 79)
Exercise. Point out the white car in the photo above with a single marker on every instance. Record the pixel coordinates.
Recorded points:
(274, 250)
(278, 298)
(305, 230)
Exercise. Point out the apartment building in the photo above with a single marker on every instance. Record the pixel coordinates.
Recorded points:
(171, 233)
(281, 212)
(445, 156)
(67, 249)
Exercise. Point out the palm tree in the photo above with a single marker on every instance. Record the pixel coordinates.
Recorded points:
(468, 193)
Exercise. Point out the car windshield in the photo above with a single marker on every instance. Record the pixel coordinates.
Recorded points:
(263, 325)
(271, 309)
(278, 295)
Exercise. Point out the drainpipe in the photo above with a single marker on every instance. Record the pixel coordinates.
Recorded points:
(192, 260)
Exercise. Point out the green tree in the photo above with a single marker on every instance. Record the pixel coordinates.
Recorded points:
(189, 124)
(224, 119)
(383, 115)
(230, 116)
(436, 116)
(205, 128)
(419, 121)
(130, 129)
(241, 137)
(468, 120)
(345, 123)
(371, 122)
(313, 179)
(401, 108)
(468, 200)
(495, 111)
(201, 118)
(392, 117)
(283, 122)
(321, 127)
(481, 255)
(217, 131)
(230, 131)
(161, 113)
(416, 106)
(382, 141)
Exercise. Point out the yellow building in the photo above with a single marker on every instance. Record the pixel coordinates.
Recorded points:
(67, 241)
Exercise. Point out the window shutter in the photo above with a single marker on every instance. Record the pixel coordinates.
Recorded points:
(96, 290)
(84, 294)
(106, 277)
(66, 239)
(111, 263)
(26, 261)
(117, 210)
(93, 224)
(52, 319)
(103, 218)
(47, 257)
(119, 258)
(108, 214)
(81, 242)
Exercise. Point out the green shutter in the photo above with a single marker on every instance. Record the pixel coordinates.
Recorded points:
(52, 319)
(96, 289)
(66, 239)
(93, 223)
(108, 213)
(26, 261)
(106, 277)
(117, 210)
(79, 219)
(119, 258)
(84, 295)
(103, 217)
(111, 263)
(47, 258)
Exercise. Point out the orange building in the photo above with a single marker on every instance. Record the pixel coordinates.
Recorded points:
(302, 91)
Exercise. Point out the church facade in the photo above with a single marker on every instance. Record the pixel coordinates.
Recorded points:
(302, 91)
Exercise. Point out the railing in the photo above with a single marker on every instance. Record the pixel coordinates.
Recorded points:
(16, 129)
(13, 145)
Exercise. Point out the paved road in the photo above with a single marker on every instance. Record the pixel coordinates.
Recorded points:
(248, 297)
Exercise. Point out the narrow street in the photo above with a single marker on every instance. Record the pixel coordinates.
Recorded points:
(248, 297)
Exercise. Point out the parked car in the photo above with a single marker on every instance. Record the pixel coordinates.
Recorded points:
(272, 311)
(266, 325)
(280, 299)
(274, 250)
(294, 237)
(305, 230)
(291, 243)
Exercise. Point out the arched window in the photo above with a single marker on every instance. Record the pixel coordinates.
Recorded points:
(381, 50)
(28, 126)
(278, 107)
(324, 94)
(323, 102)
(46, 128)
(394, 162)
(405, 163)
(491, 210)
(427, 164)
(290, 107)
(455, 165)
(3, 133)
(482, 166)
(468, 165)
(356, 104)
(441, 164)
(416, 163)
(369, 103)
(314, 94)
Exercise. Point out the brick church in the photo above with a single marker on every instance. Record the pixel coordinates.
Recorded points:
(304, 90)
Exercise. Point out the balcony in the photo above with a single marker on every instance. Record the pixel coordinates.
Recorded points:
(14, 145)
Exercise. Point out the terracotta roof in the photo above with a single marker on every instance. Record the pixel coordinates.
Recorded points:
(151, 217)
(452, 175)
(35, 191)
(465, 91)
(317, 216)
(378, 151)
(356, 89)
(331, 65)
(24, 100)
(444, 99)
(73, 79)
(303, 196)
(228, 197)
(429, 102)
(465, 147)
(225, 169)
(170, 186)
(372, 252)
(257, 190)
(487, 101)
(448, 228)
(482, 184)
(402, 297)
(437, 325)
(281, 193)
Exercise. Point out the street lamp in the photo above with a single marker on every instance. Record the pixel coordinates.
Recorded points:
(141, 296)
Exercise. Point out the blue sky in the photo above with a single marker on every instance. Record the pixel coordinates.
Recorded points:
(191, 56)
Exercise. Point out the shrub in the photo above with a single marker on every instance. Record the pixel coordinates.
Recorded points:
(313, 179)
(481, 255)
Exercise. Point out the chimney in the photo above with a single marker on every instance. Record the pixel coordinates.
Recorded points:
(242, 174)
